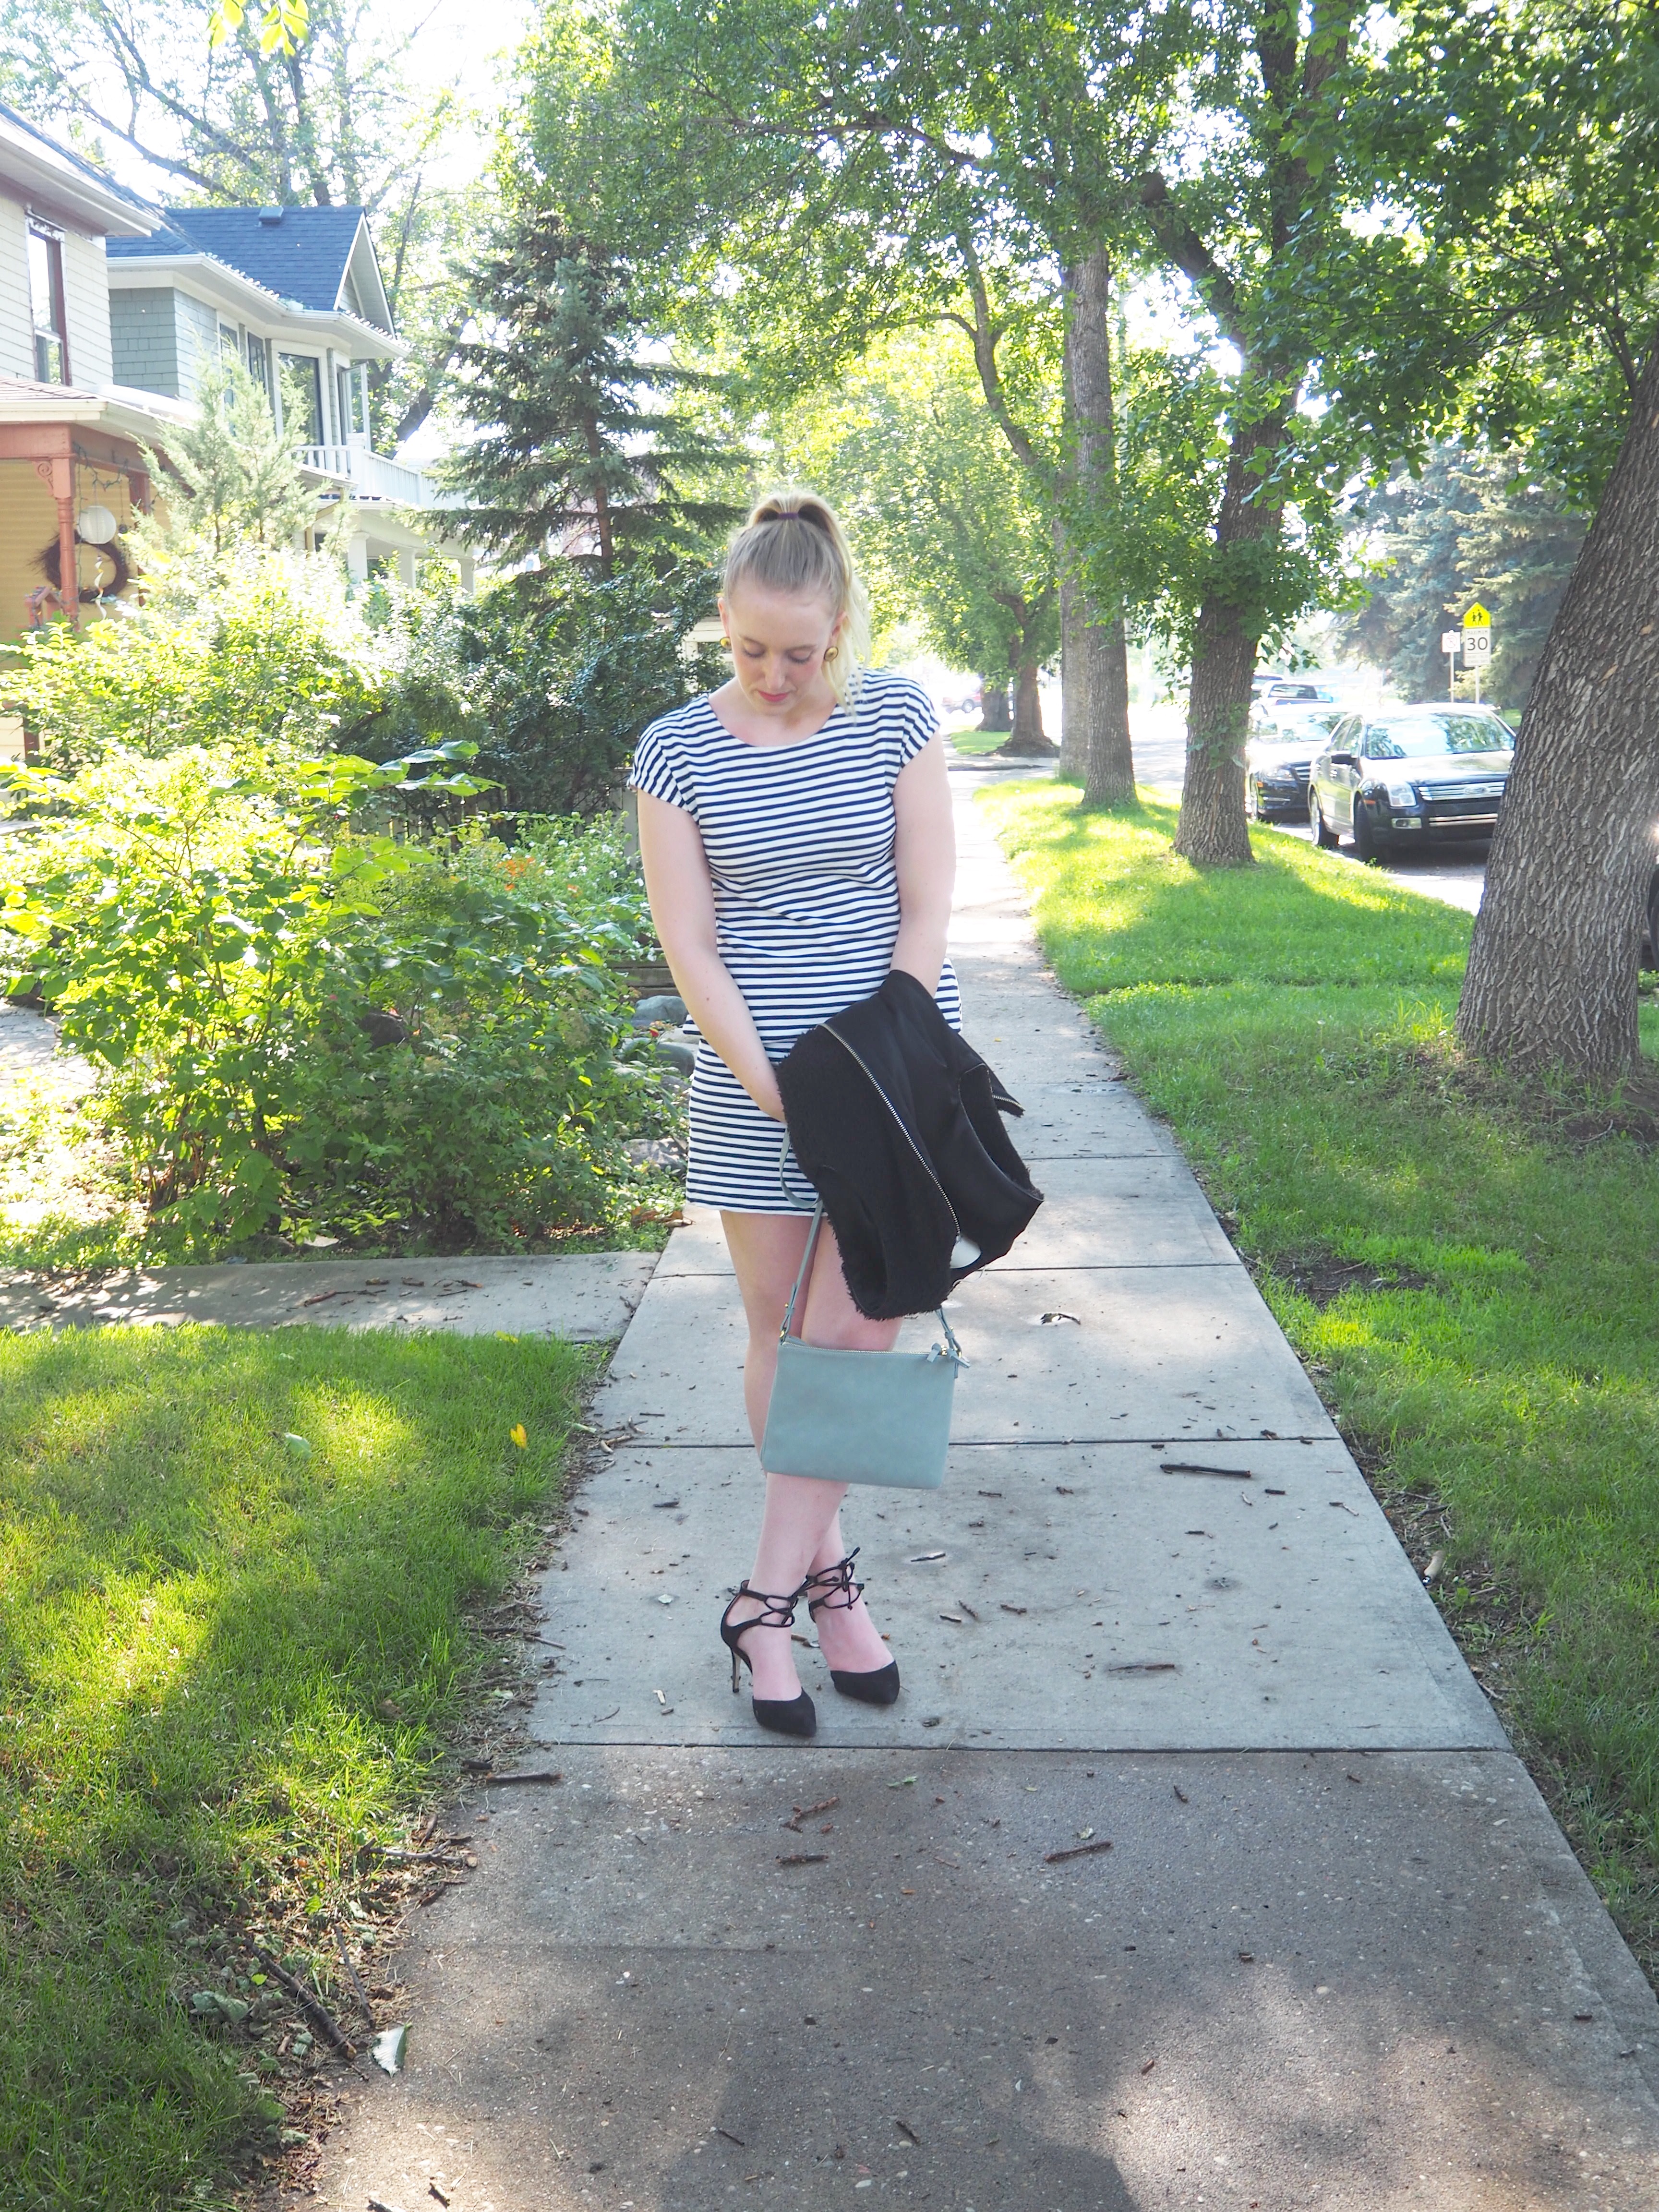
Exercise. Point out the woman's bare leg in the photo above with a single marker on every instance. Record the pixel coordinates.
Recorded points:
(800, 1525)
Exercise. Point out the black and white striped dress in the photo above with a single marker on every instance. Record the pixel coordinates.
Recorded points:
(800, 845)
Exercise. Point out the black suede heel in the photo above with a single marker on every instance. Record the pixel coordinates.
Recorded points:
(877, 1686)
(796, 1717)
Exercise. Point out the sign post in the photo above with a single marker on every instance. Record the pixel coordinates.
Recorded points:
(1451, 644)
(1477, 644)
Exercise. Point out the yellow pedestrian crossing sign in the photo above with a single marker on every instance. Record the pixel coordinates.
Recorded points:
(1477, 618)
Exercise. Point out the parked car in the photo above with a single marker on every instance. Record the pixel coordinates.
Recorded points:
(1292, 689)
(1279, 757)
(1405, 776)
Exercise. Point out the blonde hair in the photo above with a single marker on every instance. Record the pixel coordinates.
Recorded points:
(793, 543)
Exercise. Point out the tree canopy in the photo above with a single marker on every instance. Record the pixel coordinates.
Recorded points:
(945, 517)
(571, 446)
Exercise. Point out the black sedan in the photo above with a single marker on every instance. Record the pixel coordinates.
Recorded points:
(1407, 776)
(1278, 758)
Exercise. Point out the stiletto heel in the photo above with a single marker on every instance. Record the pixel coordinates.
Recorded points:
(877, 1686)
(796, 1717)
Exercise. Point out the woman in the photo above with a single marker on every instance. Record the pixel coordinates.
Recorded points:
(795, 828)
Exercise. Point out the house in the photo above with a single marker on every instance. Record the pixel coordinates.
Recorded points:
(109, 308)
(72, 438)
(295, 294)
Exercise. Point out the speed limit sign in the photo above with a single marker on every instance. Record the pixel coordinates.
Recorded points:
(1477, 647)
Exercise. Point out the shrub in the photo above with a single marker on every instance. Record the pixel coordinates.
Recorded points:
(296, 1020)
(247, 653)
(563, 672)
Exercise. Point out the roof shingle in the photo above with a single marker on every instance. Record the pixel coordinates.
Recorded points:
(302, 256)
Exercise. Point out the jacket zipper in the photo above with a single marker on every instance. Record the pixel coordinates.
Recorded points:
(926, 1164)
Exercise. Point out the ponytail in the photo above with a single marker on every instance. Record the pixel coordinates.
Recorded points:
(793, 543)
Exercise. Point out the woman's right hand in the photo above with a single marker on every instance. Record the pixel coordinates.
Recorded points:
(767, 1095)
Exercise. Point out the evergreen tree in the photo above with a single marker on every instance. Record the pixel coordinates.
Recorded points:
(574, 450)
(1475, 526)
(227, 478)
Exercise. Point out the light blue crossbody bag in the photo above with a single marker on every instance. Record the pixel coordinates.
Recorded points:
(873, 1417)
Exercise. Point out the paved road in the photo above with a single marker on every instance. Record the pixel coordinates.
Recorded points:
(1327, 1948)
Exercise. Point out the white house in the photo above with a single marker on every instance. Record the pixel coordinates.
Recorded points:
(109, 307)
(295, 293)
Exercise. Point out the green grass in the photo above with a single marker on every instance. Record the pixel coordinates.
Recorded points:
(226, 1665)
(1497, 1350)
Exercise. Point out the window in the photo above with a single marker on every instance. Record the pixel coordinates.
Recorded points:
(259, 362)
(302, 397)
(51, 364)
(342, 401)
(1445, 733)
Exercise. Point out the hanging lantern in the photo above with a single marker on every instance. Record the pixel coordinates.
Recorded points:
(95, 525)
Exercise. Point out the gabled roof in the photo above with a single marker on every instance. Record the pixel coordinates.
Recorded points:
(55, 177)
(322, 258)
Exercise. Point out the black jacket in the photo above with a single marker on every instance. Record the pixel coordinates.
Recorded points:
(896, 1120)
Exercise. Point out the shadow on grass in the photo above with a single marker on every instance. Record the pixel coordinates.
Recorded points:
(228, 1659)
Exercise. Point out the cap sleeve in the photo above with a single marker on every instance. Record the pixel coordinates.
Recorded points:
(916, 724)
(658, 773)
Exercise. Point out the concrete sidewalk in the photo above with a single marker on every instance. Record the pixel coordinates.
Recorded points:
(585, 1295)
(1327, 1947)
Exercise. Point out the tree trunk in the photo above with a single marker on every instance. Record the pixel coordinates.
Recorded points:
(1106, 757)
(1028, 741)
(1212, 830)
(1074, 669)
(994, 698)
(1552, 969)
(607, 562)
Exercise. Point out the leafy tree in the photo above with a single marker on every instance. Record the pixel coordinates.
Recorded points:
(1474, 525)
(943, 515)
(228, 477)
(759, 237)
(572, 450)
(1232, 150)
(1545, 194)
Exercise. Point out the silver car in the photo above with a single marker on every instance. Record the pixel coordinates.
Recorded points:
(1405, 776)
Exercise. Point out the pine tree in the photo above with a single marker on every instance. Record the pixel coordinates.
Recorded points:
(1475, 526)
(228, 478)
(574, 450)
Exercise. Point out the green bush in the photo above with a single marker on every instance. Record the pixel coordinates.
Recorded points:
(255, 651)
(299, 1023)
(561, 672)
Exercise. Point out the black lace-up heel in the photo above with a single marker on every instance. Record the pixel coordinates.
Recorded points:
(879, 1686)
(786, 1715)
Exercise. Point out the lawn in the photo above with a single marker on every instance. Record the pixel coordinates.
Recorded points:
(1466, 1267)
(239, 1583)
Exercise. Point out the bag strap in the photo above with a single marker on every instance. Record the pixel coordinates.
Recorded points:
(801, 1277)
(806, 1262)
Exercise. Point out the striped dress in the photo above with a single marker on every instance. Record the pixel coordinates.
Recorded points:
(800, 845)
